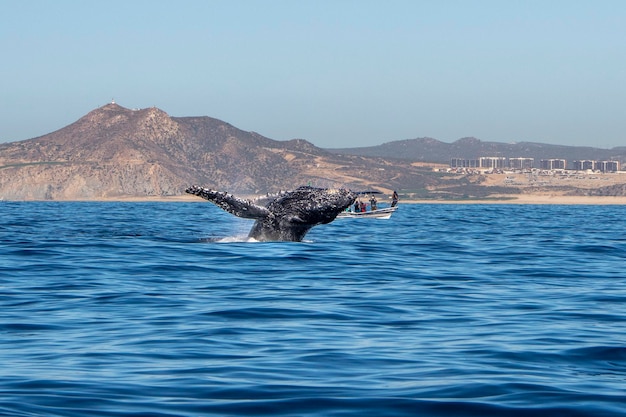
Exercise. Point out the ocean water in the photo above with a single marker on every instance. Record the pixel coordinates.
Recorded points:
(165, 309)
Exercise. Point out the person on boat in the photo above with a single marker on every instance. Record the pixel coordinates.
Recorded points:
(373, 203)
(357, 206)
(363, 207)
(394, 199)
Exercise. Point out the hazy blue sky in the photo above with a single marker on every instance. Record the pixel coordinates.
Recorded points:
(338, 73)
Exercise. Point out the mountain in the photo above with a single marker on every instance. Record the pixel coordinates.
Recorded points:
(432, 150)
(115, 152)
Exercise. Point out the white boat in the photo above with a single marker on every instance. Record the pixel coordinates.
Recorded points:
(382, 213)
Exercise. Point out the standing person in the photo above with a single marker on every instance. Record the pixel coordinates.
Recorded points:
(373, 202)
(394, 199)
(357, 206)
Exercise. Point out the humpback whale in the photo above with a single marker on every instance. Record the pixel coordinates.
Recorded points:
(288, 216)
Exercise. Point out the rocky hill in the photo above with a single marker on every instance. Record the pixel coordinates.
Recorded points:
(115, 152)
(118, 153)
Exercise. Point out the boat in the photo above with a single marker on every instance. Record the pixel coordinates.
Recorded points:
(382, 213)
(363, 213)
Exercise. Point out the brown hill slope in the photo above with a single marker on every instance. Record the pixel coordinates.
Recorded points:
(115, 152)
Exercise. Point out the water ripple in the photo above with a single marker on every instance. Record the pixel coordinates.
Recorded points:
(167, 309)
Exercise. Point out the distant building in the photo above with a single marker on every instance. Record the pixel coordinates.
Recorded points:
(521, 163)
(464, 163)
(583, 165)
(607, 166)
(602, 166)
(500, 162)
(493, 162)
(551, 164)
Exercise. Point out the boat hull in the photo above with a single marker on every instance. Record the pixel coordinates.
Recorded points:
(384, 213)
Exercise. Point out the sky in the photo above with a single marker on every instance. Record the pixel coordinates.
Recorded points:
(338, 73)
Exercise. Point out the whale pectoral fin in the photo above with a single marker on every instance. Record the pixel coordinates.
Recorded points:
(230, 203)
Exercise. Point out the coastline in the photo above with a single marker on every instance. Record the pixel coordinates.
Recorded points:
(533, 199)
(499, 199)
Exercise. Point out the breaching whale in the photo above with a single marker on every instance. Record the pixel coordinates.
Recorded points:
(289, 216)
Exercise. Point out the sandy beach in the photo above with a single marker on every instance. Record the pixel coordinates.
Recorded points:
(500, 199)
(532, 199)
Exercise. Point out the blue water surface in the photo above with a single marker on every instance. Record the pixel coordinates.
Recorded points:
(166, 309)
